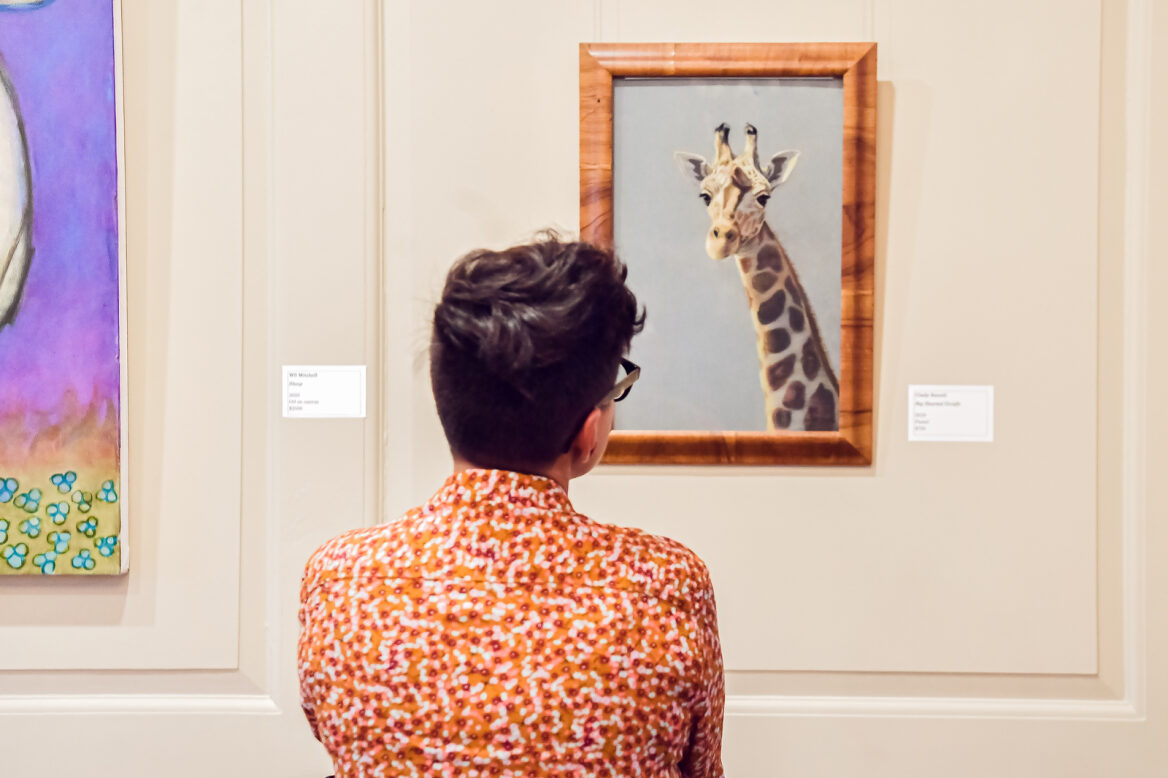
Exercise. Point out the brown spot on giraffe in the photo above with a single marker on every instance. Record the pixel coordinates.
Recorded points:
(794, 396)
(796, 319)
(782, 418)
(769, 258)
(777, 340)
(772, 307)
(821, 410)
(810, 360)
(778, 373)
(744, 263)
(764, 280)
(792, 287)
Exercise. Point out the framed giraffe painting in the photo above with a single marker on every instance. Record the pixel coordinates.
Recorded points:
(737, 183)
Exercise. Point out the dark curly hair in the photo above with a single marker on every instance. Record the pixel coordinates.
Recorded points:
(525, 342)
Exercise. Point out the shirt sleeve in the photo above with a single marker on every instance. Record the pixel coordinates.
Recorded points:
(304, 663)
(703, 756)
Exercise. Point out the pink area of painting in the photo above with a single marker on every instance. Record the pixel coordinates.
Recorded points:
(71, 434)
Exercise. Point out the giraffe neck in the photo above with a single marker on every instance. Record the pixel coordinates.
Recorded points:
(802, 392)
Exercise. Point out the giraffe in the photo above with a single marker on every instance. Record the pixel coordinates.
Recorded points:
(802, 392)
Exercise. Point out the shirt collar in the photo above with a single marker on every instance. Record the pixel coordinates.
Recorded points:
(503, 486)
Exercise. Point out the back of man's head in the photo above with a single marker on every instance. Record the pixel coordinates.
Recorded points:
(524, 342)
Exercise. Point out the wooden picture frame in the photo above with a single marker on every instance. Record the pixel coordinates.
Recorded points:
(855, 65)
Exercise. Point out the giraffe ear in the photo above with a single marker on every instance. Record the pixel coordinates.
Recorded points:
(780, 167)
(692, 166)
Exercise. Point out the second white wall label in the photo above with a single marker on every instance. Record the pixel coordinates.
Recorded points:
(951, 413)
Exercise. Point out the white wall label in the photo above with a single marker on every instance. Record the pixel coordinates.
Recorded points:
(951, 413)
(324, 391)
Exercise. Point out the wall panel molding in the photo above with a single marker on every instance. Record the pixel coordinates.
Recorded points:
(178, 607)
(138, 704)
(1132, 705)
(931, 707)
(1136, 260)
(254, 170)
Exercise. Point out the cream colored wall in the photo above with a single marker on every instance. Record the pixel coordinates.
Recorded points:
(953, 610)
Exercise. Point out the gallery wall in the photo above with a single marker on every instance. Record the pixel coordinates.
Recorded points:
(884, 605)
(983, 570)
(299, 176)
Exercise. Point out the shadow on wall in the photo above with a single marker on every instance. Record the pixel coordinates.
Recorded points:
(904, 108)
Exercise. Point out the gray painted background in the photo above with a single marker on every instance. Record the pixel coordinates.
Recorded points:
(698, 349)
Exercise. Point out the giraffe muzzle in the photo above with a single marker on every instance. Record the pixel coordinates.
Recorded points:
(723, 240)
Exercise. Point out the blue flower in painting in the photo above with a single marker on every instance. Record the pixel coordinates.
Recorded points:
(30, 501)
(4, 530)
(107, 492)
(31, 527)
(84, 500)
(47, 562)
(84, 560)
(8, 487)
(58, 512)
(64, 481)
(59, 541)
(88, 528)
(106, 545)
(14, 555)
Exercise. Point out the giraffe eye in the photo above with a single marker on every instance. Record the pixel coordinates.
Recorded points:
(762, 199)
(705, 198)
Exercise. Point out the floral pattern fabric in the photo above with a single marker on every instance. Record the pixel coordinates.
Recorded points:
(494, 631)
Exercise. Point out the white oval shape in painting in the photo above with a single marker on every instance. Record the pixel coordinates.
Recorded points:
(15, 202)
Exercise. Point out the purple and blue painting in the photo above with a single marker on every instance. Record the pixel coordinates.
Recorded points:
(60, 290)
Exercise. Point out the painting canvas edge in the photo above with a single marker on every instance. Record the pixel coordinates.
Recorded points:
(123, 319)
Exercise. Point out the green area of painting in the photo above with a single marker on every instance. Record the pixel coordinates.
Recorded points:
(60, 522)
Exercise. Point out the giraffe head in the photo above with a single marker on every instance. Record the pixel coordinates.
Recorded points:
(735, 189)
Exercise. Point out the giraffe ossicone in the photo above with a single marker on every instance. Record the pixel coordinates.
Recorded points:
(800, 387)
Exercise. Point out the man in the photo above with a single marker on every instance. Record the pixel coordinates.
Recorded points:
(495, 631)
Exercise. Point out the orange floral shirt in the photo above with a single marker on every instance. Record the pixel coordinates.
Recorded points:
(494, 631)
